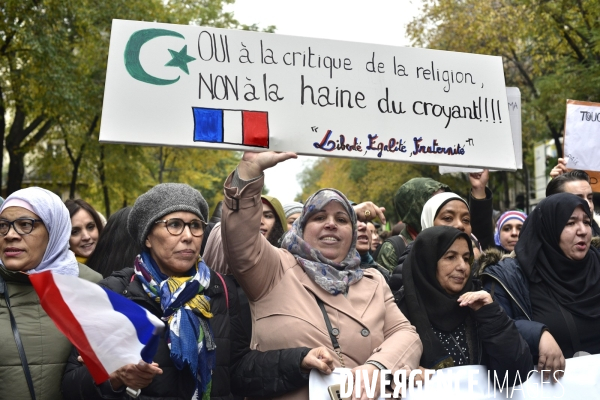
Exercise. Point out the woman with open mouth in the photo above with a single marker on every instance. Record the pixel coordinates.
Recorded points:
(551, 283)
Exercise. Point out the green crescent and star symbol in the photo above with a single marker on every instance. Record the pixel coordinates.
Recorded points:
(133, 65)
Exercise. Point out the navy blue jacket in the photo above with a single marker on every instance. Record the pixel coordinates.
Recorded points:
(508, 286)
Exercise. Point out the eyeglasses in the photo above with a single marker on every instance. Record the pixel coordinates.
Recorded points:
(23, 226)
(175, 226)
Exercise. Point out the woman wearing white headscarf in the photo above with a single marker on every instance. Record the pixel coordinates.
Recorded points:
(443, 209)
(35, 228)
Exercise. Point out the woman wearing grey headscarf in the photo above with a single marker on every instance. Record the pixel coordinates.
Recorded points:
(315, 277)
(34, 237)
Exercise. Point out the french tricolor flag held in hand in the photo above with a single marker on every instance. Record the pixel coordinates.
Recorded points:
(108, 330)
(247, 128)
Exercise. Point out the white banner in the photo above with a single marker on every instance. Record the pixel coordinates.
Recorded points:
(194, 86)
(582, 135)
(513, 95)
(580, 381)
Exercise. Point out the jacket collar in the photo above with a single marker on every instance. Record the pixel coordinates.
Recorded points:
(14, 276)
(215, 287)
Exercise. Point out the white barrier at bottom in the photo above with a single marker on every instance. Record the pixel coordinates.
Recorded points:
(581, 381)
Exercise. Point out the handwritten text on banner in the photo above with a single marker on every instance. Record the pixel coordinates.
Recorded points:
(194, 86)
(582, 135)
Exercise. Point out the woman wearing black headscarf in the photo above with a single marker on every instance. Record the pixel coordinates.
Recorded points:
(552, 287)
(458, 324)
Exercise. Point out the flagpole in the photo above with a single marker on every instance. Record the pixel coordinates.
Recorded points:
(133, 392)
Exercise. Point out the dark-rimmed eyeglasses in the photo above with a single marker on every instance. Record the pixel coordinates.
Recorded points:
(175, 226)
(23, 226)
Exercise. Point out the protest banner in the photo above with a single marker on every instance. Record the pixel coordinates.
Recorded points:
(513, 96)
(226, 89)
(582, 139)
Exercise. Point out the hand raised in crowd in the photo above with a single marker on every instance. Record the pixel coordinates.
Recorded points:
(254, 163)
(551, 357)
(479, 181)
(559, 168)
(368, 211)
(371, 369)
(135, 376)
(318, 358)
(475, 300)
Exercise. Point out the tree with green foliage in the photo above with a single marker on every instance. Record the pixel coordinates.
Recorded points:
(53, 57)
(550, 50)
(52, 66)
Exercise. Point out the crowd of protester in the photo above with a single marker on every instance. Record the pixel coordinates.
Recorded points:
(257, 294)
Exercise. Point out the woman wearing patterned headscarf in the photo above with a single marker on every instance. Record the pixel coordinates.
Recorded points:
(34, 237)
(315, 277)
(507, 231)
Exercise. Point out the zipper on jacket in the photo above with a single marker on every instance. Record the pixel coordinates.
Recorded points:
(510, 294)
(467, 361)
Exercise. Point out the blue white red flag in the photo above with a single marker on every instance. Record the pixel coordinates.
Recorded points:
(108, 330)
(247, 128)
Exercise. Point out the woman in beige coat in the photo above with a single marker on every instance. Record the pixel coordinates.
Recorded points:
(318, 262)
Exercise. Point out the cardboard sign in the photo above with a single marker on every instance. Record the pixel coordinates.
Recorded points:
(582, 139)
(594, 180)
(226, 89)
(582, 135)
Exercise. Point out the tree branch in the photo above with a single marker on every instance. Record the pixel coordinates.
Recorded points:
(69, 151)
(573, 45)
(7, 42)
(93, 126)
(88, 135)
(31, 143)
(561, 27)
(15, 128)
(523, 72)
(584, 15)
(2, 131)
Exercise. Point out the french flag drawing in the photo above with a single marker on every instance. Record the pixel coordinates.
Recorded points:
(108, 330)
(247, 128)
